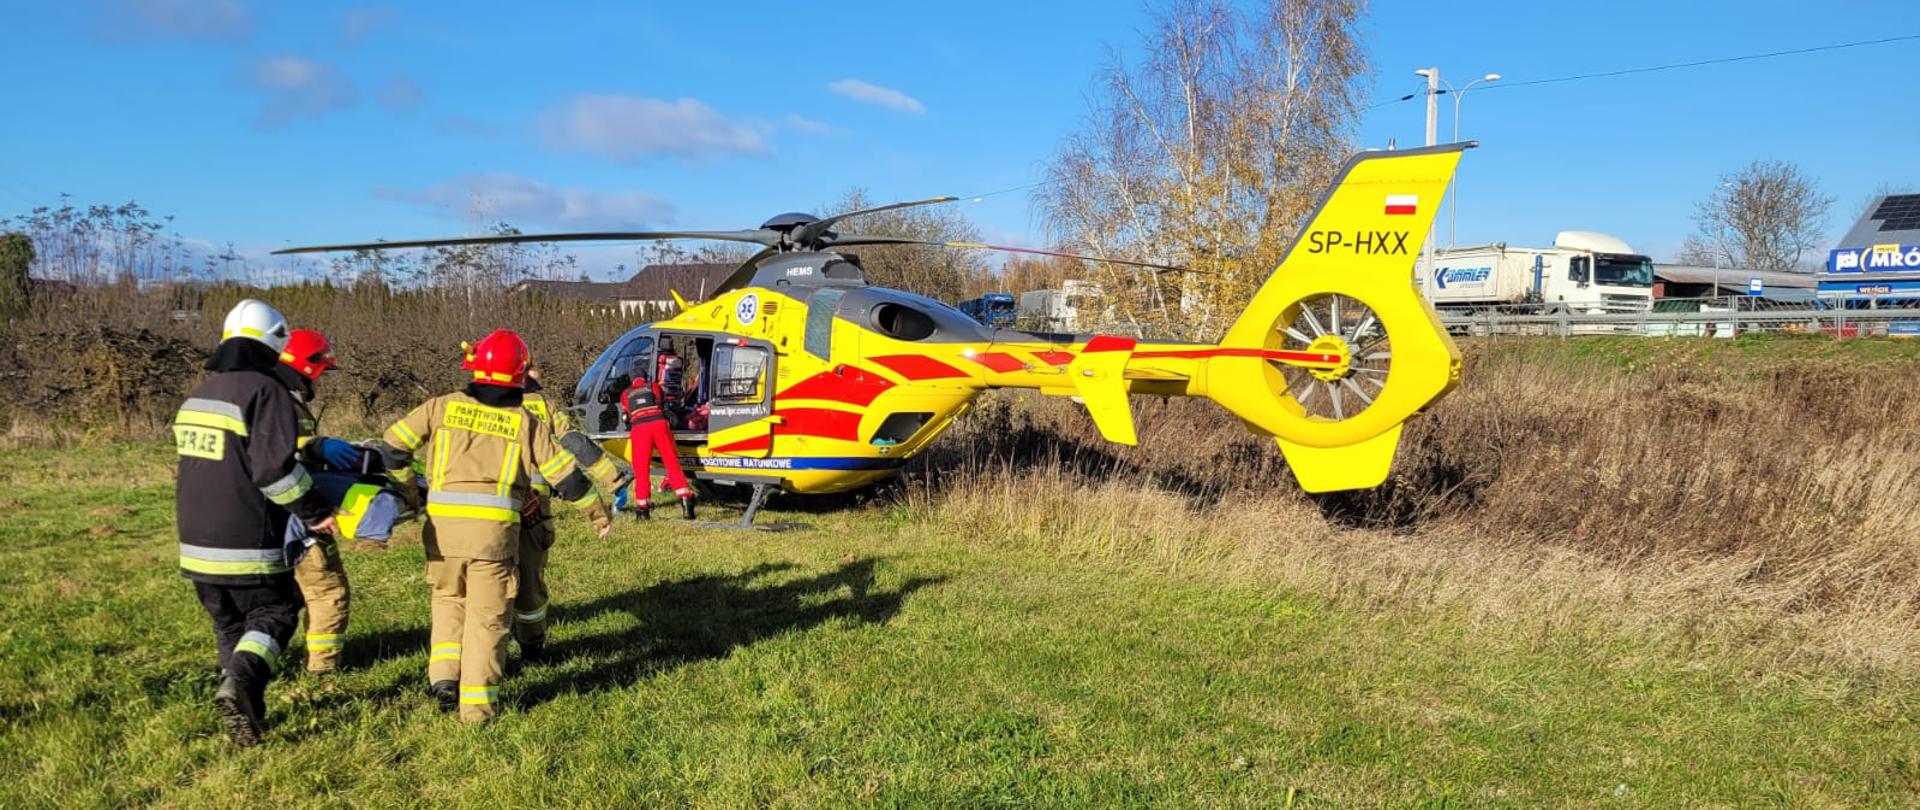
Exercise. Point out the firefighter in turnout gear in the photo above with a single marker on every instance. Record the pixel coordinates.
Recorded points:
(481, 450)
(537, 532)
(322, 574)
(239, 483)
(647, 429)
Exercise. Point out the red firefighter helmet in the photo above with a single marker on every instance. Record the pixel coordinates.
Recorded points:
(498, 359)
(307, 352)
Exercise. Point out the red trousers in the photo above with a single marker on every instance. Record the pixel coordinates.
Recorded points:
(642, 440)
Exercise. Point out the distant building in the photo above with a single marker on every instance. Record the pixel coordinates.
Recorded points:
(1879, 259)
(1694, 281)
(653, 286)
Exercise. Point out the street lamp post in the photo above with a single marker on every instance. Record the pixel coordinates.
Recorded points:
(1432, 75)
(1453, 209)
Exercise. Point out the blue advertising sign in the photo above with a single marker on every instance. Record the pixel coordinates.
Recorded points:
(1878, 258)
(1905, 329)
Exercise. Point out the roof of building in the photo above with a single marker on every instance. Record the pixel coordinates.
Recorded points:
(695, 281)
(655, 282)
(1731, 276)
(1892, 219)
(574, 290)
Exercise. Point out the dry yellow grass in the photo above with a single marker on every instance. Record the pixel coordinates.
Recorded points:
(1755, 497)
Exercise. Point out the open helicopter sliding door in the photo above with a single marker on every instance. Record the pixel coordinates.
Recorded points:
(740, 380)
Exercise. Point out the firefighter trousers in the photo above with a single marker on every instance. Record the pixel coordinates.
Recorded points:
(323, 582)
(252, 625)
(642, 440)
(472, 621)
(530, 599)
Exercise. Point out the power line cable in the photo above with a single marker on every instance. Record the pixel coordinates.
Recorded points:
(1701, 62)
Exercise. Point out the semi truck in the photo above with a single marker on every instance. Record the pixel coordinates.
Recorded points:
(992, 309)
(1583, 273)
(1075, 307)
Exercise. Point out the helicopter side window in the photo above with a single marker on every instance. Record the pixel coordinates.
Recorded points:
(739, 374)
(819, 337)
(902, 322)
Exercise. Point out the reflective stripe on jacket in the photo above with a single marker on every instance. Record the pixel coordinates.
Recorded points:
(481, 462)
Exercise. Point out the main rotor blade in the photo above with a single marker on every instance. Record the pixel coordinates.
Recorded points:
(758, 237)
(811, 232)
(899, 240)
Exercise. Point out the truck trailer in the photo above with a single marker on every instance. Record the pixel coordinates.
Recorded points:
(1583, 273)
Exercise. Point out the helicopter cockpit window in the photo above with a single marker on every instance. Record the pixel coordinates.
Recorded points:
(619, 372)
(739, 373)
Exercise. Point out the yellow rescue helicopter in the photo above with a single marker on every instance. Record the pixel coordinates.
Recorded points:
(810, 380)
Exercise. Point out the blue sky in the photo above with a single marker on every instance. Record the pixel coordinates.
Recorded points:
(278, 124)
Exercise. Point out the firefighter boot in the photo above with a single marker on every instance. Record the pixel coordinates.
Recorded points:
(686, 506)
(532, 651)
(643, 511)
(240, 710)
(446, 694)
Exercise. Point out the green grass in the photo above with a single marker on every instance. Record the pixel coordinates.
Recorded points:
(860, 664)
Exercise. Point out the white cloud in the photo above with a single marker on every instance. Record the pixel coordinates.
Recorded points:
(296, 87)
(467, 126)
(180, 19)
(808, 125)
(629, 129)
(875, 94)
(523, 202)
(400, 94)
(358, 23)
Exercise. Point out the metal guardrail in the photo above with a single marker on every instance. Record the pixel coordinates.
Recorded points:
(1844, 323)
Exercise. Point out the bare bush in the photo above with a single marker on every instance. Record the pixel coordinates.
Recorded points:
(114, 362)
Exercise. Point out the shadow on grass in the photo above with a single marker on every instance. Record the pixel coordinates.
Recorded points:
(701, 618)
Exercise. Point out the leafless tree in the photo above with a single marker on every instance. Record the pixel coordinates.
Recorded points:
(943, 273)
(1763, 217)
(1209, 153)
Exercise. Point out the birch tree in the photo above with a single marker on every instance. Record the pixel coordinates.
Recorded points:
(1208, 153)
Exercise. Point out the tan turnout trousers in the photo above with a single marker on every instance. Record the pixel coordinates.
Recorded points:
(472, 607)
(530, 603)
(322, 575)
(481, 462)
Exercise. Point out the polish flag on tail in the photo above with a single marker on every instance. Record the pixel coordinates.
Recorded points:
(1402, 204)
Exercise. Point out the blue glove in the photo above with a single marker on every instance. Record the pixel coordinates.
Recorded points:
(340, 454)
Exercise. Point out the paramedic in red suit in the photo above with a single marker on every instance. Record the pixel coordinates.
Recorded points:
(647, 431)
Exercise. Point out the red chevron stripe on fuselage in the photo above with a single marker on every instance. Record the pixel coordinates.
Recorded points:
(848, 384)
(918, 367)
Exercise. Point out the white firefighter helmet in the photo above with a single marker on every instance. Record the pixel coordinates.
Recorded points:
(259, 321)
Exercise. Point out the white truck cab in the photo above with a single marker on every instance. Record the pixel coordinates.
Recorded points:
(1583, 273)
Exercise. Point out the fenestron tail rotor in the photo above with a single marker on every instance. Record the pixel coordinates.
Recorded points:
(1341, 326)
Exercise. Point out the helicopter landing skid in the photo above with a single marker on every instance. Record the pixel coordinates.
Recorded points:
(746, 521)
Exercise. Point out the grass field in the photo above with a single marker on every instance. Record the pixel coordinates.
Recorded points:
(887, 657)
